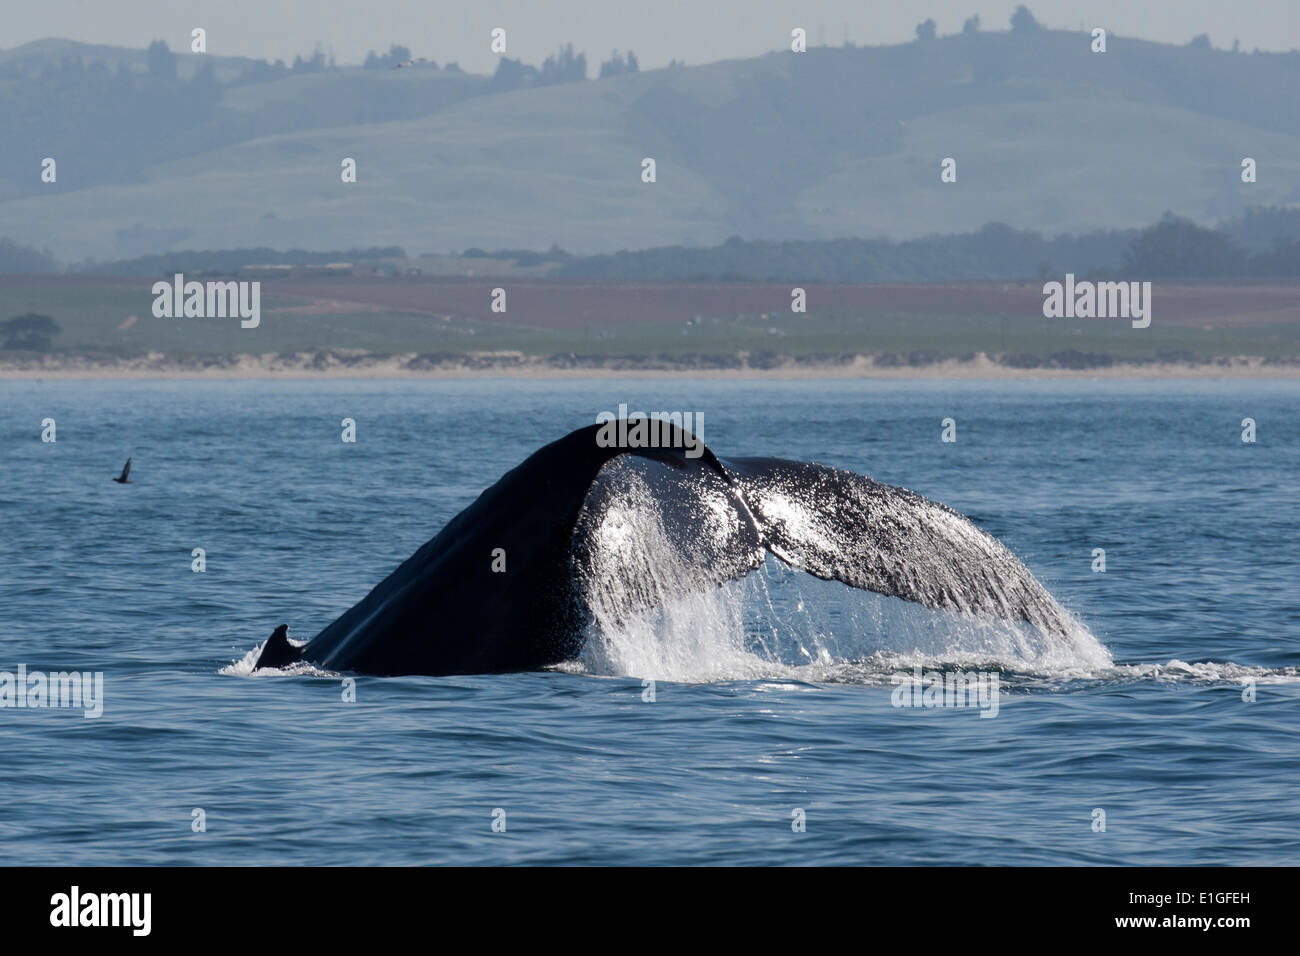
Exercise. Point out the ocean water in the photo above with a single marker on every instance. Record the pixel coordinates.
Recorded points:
(771, 696)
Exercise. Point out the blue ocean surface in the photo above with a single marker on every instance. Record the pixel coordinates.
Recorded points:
(1165, 731)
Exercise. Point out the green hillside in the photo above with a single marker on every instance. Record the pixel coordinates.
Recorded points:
(831, 143)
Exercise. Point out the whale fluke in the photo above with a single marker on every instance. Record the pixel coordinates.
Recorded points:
(126, 470)
(512, 582)
(842, 526)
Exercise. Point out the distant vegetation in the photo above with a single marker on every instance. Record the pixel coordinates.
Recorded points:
(228, 260)
(30, 332)
(1262, 243)
(562, 67)
(1022, 21)
(996, 251)
(24, 260)
(102, 124)
(618, 64)
(522, 257)
(395, 56)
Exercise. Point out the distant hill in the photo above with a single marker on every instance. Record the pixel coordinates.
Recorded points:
(832, 143)
(39, 56)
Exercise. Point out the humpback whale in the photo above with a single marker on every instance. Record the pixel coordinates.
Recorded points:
(511, 582)
(122, 479)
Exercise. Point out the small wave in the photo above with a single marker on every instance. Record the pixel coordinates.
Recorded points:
(1206, 672)
(883, 669)
(246, 667)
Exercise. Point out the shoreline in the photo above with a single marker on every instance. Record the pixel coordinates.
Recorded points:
(340, 364)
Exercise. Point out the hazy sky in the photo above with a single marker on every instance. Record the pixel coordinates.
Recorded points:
(697, 31)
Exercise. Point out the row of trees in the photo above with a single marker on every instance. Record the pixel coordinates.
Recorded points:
(225, 261)
(130, 116)
(25, 260)
(1263, 242)
(617, 64)
(399, 55)
(1180, 248)
(162, 65)
(564, 66)
(1171, 248)
(1023, 23)
(264, 72)
(29, 333)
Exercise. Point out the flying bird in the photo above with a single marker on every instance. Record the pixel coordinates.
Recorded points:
(122, 479)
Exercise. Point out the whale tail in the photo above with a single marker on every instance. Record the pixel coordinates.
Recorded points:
(833, 524)
(278, 652)
(578, 518)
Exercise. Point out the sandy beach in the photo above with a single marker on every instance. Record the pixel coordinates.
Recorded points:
(345, 364)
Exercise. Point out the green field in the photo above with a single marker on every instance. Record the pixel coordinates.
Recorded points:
(91, 315)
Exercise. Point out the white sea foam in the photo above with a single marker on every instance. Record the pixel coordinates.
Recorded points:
(244, 667)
